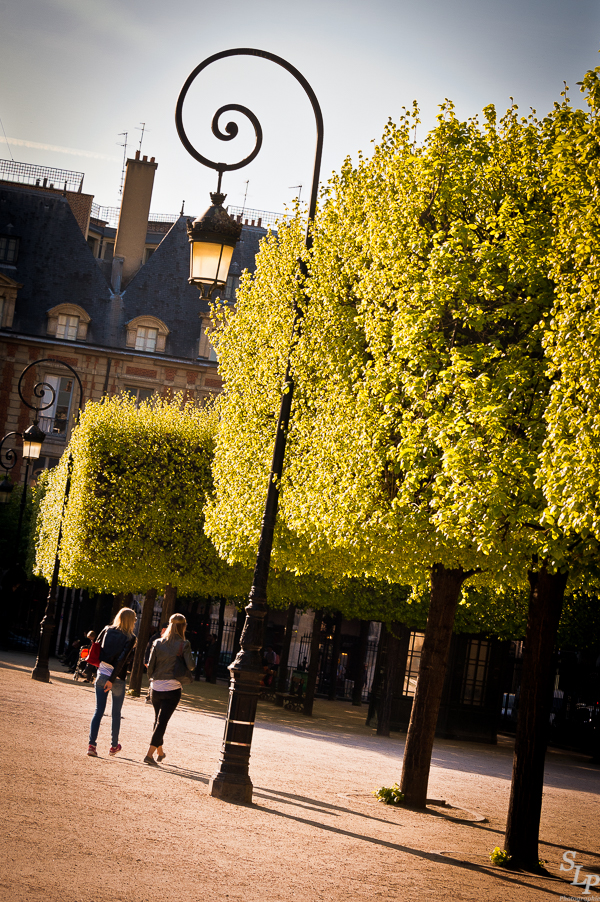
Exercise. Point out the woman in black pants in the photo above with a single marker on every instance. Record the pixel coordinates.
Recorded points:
(166, 690)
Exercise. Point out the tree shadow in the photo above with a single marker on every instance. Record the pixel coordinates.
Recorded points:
(434, 857)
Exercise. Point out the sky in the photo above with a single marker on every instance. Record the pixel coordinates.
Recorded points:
(75, 74)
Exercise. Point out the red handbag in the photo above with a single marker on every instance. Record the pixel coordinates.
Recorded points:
(94, 656)
(95, 649)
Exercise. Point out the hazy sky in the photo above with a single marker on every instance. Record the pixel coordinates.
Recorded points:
(76, 73)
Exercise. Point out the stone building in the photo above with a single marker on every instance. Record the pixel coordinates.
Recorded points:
(113, 301)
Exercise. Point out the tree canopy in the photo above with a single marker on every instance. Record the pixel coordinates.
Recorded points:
(135, 512)
(570, 470)
(421, 376)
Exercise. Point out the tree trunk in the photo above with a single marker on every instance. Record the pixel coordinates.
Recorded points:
(313, 667)
(525, 805)
(335, 656)
(389, 684)
(168, 608)
(135, 681)
(284, 657)
(220, 627)
(445, 593)
(359, 679)
(377, 676)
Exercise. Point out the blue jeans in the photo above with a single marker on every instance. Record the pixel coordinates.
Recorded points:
(118, 696)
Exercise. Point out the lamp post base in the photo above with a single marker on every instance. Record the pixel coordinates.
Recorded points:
(232, 782)
(41, 674)
(230, 788)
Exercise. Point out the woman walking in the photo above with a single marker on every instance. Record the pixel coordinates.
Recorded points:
(117, 643)
(165, 656)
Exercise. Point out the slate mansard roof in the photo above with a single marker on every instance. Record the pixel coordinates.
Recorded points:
(56, 266)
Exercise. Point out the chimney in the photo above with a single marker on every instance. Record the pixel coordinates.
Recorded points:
(133, 218)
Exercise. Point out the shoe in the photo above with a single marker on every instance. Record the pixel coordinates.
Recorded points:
(92, 751)
(114, 749)
(161, 757)
(151, 761)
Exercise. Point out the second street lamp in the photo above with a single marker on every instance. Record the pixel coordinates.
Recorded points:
(41, 671)
(232, 781)
(32, 438)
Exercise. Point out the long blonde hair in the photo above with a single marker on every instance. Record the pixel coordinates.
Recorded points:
(125, 621)
(176, 627)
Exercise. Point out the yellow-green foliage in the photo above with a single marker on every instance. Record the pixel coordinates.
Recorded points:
(135, 514)
(421, 382)
(570, 469)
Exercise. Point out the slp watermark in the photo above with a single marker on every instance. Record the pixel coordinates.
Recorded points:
(588, 880)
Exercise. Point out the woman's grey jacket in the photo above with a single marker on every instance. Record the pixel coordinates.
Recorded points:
(164, 654)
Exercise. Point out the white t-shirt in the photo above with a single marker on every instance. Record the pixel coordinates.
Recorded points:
(165, 685)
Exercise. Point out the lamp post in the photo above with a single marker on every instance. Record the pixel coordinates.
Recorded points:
(232, 781)
(41, 671)
(32, 438)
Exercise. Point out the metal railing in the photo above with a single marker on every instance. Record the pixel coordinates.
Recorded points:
(56, 426)
(257, 218)
(109, 215)
(40, 176)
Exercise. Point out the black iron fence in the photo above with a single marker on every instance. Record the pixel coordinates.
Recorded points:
(40, 176)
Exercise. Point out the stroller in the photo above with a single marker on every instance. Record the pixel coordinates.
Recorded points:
(83, 670)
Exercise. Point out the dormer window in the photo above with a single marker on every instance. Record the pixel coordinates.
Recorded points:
(9, 249)
(68, 322)
(8, 296)
(67, 327)
(146, 338)
(147, 333)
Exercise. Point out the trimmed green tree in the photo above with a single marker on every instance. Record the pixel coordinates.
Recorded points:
(421, 390)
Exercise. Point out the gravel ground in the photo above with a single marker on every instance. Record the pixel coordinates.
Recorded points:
(79, 829)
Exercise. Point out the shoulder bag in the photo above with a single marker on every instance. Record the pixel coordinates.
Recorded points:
(95, 650)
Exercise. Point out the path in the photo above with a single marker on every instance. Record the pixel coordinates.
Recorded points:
(79, 829)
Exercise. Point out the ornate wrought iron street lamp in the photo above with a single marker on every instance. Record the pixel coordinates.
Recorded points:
(232, 781)
(32, 438)
(41, 671)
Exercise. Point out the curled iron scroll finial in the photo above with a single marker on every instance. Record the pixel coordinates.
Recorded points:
(40, 388)
(231, 129)
(8, 457)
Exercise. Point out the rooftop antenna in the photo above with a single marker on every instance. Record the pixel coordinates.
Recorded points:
(299, 187)
(124, 146)
(182, 206)
(245, 196)
(6, 139)
(142, 128)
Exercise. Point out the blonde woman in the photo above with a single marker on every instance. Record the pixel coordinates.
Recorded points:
(117, 643)
(166, 689)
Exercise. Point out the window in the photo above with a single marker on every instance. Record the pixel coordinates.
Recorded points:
(55, 419)
(67, 327)
(475, 674)
(140, 394)
(147, 333)
(9, 249)
(413, 660)
(146, 338)
(232, 285)
(148, 253)
(45, 463)
(8, 296)
(68, 322)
